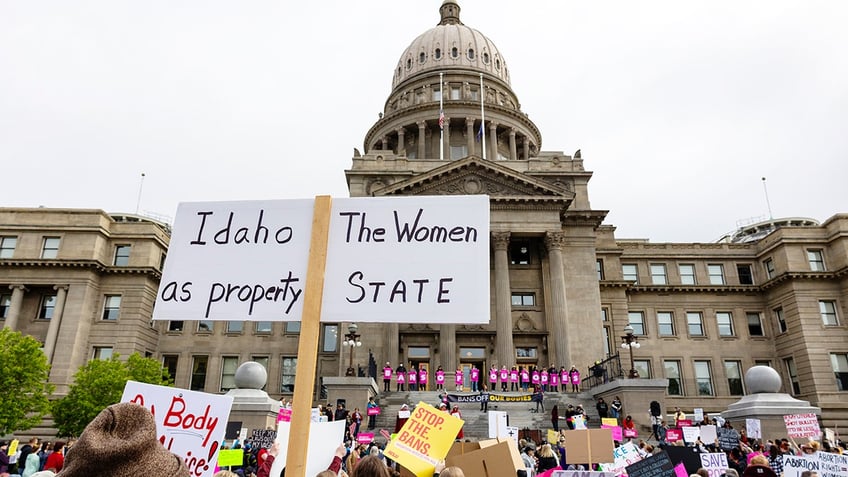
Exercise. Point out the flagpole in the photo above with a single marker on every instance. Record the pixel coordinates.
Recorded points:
(441, 116)
(482, 118)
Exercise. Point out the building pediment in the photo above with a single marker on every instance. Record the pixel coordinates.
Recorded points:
(473, 175)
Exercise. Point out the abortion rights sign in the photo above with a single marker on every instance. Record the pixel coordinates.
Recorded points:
(400, 259)
(190, 424)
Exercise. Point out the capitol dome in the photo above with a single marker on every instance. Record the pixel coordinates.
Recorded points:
(450, 44)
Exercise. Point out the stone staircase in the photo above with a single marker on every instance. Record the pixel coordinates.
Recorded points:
(519, 414)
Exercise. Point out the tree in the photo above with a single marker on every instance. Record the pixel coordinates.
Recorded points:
(99, 384)
(24, 374)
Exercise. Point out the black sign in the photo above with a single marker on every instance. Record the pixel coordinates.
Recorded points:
(727, 438)
(233, 429)
(262, 438)
(690, 457)
(657, 465)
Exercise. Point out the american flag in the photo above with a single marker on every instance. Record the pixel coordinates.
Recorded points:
(441, 119)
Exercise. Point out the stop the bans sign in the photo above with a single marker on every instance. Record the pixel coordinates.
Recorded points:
(403, 260)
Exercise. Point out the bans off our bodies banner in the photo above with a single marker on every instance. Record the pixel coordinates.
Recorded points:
(492, 397)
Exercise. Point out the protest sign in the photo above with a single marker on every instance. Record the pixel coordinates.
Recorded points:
(698, 414)
(631, 433)
(829, 435)
(715, 464)
(247, 260)
(727, 438)
(802, 425)
(497, 424)
(623, 456)
(589, 446)
(609, 422)
(657, 465)
(232, 430)
(365, 437)
(691, 434)
(688, 456)
(424, 439)
(674, 435)
(831, 464)
(709, 434)
(284, 415)
(553, 436)
(752, 428)
(680, 470)
(579, 422)
(581, 473)
(681, 423)
(486, 458)
(190, 424)
(263, 438)
(794, 465)
(373, 411)
(512, 433)
(13, 447)
(322, 441)
(230, 457)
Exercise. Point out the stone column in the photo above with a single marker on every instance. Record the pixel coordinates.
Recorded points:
(15, 307)
(392, 343)
(513, 153)
(385, 145)
(469, 135)
(446, 135)
(559, 311)
(447, 347)
(526, 148)
(504, 351)
(55, 321)
(422, 150)
(493, 141)
(401, 146)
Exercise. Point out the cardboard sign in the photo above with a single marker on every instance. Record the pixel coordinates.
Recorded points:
(424, 439)
(802, 425)
(698, 414)
(709, 434)
(609, 422)
(190, 424)
(589, 446)
(324, 438)
(487, 458)
(631, 433)
(674, 435)
(624, 456)
(657, 465)
(365, 437)
(727, 438)
(230, 457)
(752, 428)
(715, 464)
(497, 424)
(247, 260)
(691, 434)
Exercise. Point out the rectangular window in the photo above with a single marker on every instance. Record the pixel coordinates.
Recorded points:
(50, 247)
(762, 362)
(331, 339)
(5, 305)
(643, 367)
(523, 299)
(229, 364)
(437, 94)
(7, 246)
(162, 261)
(816, 259)
(175, 326)
(599, 267)
(519, 253)
(102, 352)
(455, 93)
(169, 362)
(665, 323)
(262, 327)
(111, 307)
(828, 312)
(716, 273)
(205, 326)
(768, 265)
(122, 255)
(418, 352)
(48, 304)
(525, 353)
(458, 152)
(288, 373)
(235, 326)
(703, 378)
(475, 94)
(781, 321)
(789, 364)
(658, 274)
(725, 323)
(604, 315)
(733, 371)
(694, 323)
(607, 345)
(839, 361)
(746, 275)
(199, 365)
(672, 373)
(755, 324)
(687, 274)
(637, 321)
(629, 271)
(292, 327)
(472, 353)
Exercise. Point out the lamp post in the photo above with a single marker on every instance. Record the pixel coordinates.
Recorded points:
(351, 339)
(630, 341)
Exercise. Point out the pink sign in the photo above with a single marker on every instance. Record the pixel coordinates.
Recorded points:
(373, 411)
(616, 433)
(385, 434)
(802, 425)
(680, 470)
(631, 433)
(365, 437)
(684, 423)
(284, 415)
(674, 435)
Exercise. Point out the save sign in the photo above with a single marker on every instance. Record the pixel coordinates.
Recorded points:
(190, 424)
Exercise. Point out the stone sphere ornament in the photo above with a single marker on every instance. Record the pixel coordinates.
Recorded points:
(762, 379)
(251, 375)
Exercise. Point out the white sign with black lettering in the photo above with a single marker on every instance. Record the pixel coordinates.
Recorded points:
(400, 259)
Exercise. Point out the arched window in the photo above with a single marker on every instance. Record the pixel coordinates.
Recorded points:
(422, 57)
(438, 53)
(454, 52)
(408, 63)
(471, 53)
(485, 58)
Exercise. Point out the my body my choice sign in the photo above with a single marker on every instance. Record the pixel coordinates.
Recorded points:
(404, 259)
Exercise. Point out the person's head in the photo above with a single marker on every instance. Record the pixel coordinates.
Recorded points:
(702, 472)
(58, 446)
(730, 473)
(323, 473)
(809, 473)
(4, 445)
(226, 473)
(529, 450)
(370, 466)
(628, 418)
(759, 460)
(452, 471)
(546, 451)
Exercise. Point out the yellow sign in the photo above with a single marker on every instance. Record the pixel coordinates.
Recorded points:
(553, 437)
(424, 440)
(609, 421)
(13, 447)
(229, 457)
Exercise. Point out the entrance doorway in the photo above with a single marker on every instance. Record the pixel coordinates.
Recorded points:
(423, 365)
(466, 373)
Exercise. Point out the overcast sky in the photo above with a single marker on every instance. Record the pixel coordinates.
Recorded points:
(680, 107)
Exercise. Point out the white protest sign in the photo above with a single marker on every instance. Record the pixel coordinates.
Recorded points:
(802, 425)
(831, 464)
(581, 473)
(708, 434)
(699, 414)
(324, 438)
(247, 260)
(829, 435)
(715, 463)
(512, 433)
(190, 424)
(497, 424)
(752, 428)
(690, 434)
(794, 465)
(624, 455)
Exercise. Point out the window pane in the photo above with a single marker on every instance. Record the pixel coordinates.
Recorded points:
(599, 267)
(725, 323)
(122, 255)
(769, 267)
(293, 327)
(418, 352)
(262, 326)
(687, 274)
(672, 373)
(175, 326)
(716, 274)
(637, 321)
(658, 275)
(746, 276)
(331, 338)
(287, 378)
(48, 304)
(205, 326)
(7, 246)
(781, 322)
(828, 312)
(733, 370)
(169, 362)
(665, 323)
(50, 249)
(525, 352)
(643, 367)
(111, 307)
(816, 260)
(630, 272)
(703, 378)
(755, 324)
(235, 326)
(102, 352)
(695, 324)
(198, 373)
(839, 361)
(789, 363)
(229, 365)
(5, 305)
(523, 299)
(472, 353)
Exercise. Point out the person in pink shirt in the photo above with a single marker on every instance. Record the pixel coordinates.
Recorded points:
(413, 379)
(535, 378)
(553, 375)
(543, 379)
(458, 379)
(493, 378)
(400, 374)
(513, 379)
(525, 378)
(387, 377)
(422, 379)
(564, 379)
(504, 376)
(475, 377)
(574, 376)
(440, 378)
